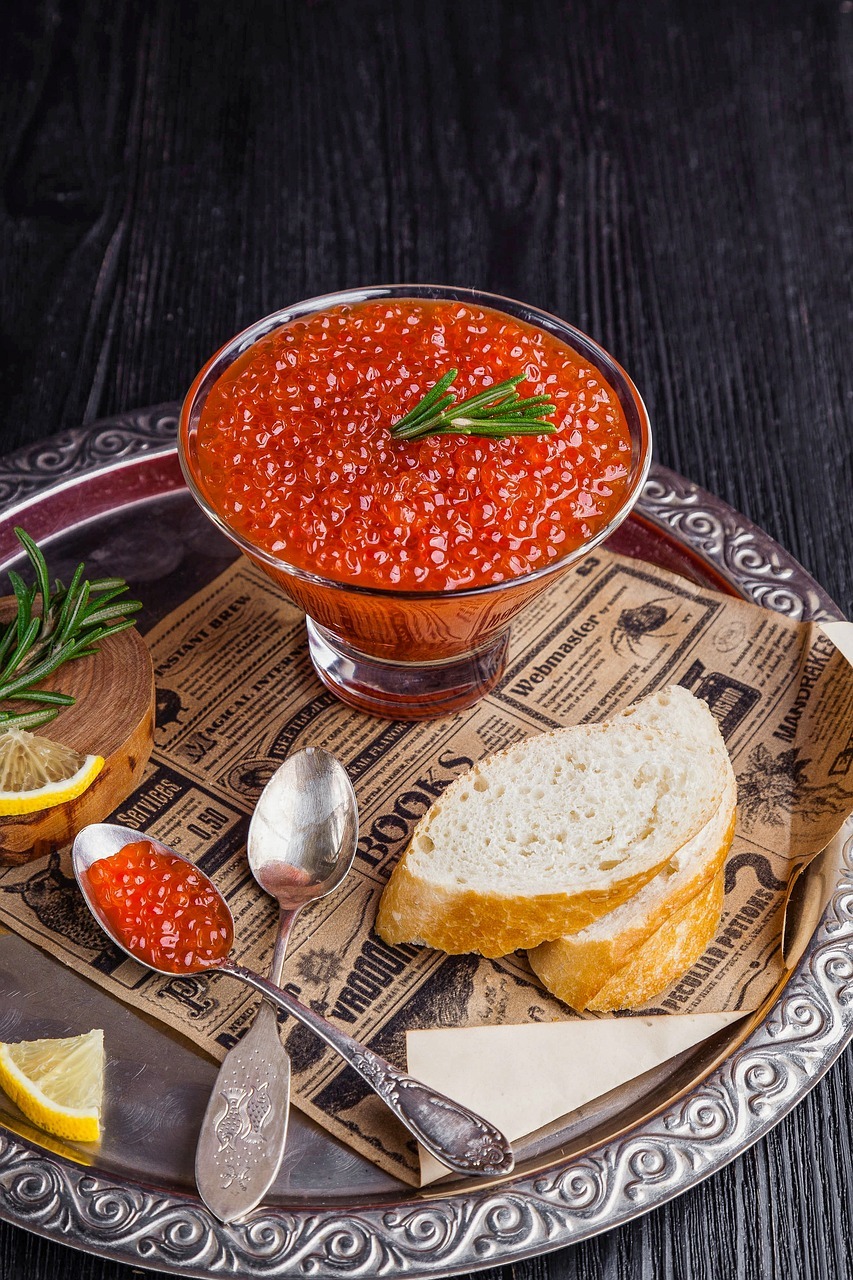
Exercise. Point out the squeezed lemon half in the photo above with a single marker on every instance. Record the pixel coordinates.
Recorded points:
(37, 773)
(58, 1084)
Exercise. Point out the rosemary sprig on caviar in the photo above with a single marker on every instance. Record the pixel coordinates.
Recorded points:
(49, 629)
(496, 412)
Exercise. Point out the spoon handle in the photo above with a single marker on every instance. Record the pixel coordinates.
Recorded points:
(243, 1134)
(459, 1138)
(286, 919)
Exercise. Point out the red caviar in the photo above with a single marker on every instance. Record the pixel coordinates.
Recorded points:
(161, 908)
(295, 451)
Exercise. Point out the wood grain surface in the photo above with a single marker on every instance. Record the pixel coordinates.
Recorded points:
(673, 178)
(113, 717)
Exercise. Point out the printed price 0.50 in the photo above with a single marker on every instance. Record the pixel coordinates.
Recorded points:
(213, 822)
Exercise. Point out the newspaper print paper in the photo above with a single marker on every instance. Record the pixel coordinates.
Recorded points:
(236, 694)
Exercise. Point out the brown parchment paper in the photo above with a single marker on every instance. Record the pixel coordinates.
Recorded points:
(236, 694)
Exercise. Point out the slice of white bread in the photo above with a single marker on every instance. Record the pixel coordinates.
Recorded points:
(579, 968)
(541, 839)
(667, 954)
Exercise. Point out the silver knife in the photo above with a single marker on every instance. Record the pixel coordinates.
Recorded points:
(241, 1143)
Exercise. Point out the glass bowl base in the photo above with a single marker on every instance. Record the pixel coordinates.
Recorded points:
(405, 690)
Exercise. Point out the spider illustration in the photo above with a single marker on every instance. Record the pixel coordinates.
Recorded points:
(633, 626)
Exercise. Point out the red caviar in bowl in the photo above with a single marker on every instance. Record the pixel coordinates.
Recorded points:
(295, 453)
(161, 908)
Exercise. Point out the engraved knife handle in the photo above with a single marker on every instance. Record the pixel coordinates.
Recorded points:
(456, 1136)
(244, 1130)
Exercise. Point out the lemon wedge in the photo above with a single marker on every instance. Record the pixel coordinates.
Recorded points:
(58, 1084)
(36, 773)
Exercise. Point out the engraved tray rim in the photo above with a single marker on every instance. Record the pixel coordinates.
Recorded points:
(693, 1136)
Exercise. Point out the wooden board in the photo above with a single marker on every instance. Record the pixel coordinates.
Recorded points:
(113, 717)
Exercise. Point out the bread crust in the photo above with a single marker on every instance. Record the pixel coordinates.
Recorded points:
(460, 920)
(575, 968)
(667, 954)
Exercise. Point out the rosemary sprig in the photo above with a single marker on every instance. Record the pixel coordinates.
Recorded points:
(497, 412)
(49, 629)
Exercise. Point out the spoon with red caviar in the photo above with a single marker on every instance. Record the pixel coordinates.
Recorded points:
(164, 912)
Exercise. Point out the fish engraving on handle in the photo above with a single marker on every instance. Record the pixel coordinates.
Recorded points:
(231, 1121)
(258, 1111)
(243, 1118)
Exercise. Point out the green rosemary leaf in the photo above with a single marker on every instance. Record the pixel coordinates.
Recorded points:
(73, 617)
(19, 587)
(496, 412)
(100, 601)
(533, 403)
(25, 600)
(119, 626)
(37, 560)
(414, 430)
(505, 408)
(27, 720)
(497, 430)
(106, 599)
(23, 645)
(70, 596)
(425, 405)
(100, 633)
(33, 675)
(43, 695)
(8, 640)
(112, 611)
(497, 392)
(70, 623)
(420, 425)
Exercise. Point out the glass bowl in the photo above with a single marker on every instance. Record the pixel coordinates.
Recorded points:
(411, 655)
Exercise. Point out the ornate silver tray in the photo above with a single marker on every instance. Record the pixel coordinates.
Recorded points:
(112, 492)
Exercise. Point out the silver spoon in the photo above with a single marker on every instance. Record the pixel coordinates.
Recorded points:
(301, 844)
(457, 1137)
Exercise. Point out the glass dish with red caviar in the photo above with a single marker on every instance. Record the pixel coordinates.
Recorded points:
(410, 556)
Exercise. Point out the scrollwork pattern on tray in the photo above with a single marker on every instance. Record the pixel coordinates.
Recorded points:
(36, 467)
(766, 573)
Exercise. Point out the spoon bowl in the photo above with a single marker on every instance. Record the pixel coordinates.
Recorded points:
(103, 839)
(455, 1135)
(303, 833)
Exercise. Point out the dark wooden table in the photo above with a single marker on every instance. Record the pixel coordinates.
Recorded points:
(672, 178)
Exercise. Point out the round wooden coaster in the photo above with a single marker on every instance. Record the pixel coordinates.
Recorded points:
(113, 717)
